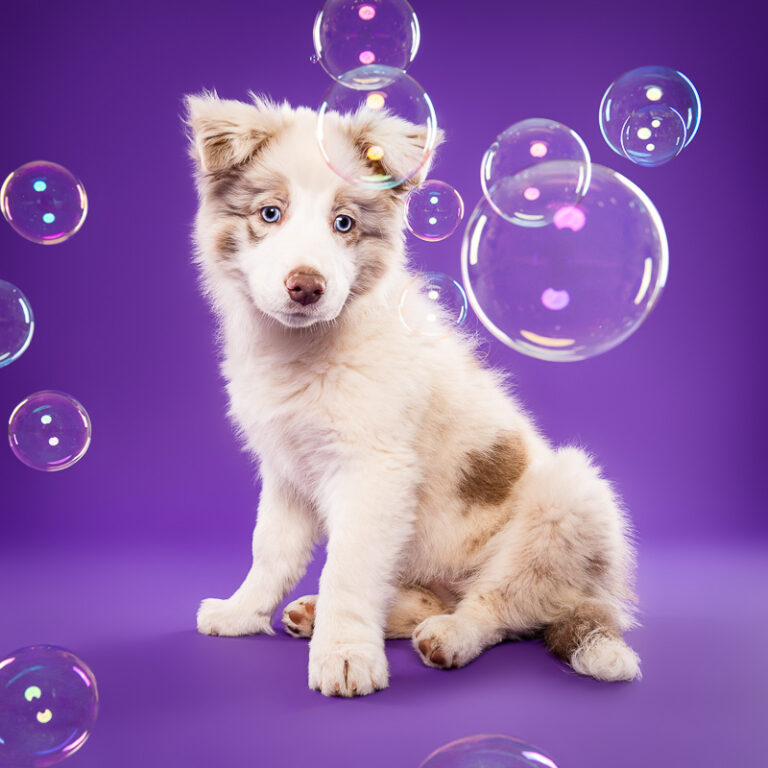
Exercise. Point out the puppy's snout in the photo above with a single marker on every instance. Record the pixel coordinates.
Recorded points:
(305, 286)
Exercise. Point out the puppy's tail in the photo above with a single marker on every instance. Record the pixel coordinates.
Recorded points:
(589, 640)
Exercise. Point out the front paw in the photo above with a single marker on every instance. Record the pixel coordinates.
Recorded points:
(353, 669)
(231, 618)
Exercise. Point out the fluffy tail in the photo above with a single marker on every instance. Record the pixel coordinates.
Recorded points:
(588, 639)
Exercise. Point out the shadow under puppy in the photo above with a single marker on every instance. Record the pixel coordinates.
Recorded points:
(449, 518)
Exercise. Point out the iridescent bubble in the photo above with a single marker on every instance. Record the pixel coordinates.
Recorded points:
(434, 210)
(653, 135)
(49, 431)
(44, 202)
(509, 166)
(433, 304)
(666, 89)
(48, 705)
(400, 128)
(489, 752)
(17, 324)
(349, 33)
(575, 288)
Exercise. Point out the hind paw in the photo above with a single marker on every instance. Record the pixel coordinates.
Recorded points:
(299, 616)
(444, 642)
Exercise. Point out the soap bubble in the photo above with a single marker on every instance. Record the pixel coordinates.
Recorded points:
(44, 202)
(17, 323)
(488, 752)
(508, 172)
(577, 287)
(384, 102)
(433, 304)
(662, 88)
(653, 135)
(49, 431)
(48, 704)
(433, 210)
(349, 33)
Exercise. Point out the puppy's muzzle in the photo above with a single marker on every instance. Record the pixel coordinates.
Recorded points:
(305, 286)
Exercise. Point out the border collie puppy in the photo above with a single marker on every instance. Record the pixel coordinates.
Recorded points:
(449, 518)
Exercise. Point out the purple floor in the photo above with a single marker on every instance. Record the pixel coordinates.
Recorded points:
(171, 697)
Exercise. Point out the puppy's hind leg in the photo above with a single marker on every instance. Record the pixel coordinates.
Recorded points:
(412, 605)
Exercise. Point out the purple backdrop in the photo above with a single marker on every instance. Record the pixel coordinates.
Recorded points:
(111, 556)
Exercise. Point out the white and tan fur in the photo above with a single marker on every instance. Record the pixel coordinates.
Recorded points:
(448, 517)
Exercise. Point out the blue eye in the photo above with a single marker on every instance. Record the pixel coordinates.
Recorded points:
(271, 214)
(343, 223)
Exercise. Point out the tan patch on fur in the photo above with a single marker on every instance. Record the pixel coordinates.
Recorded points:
(490, 474)
(371, 267)
(227, 244)
(565, 636)
(413, 604)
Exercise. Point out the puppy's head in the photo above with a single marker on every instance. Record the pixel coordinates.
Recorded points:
(274, 219)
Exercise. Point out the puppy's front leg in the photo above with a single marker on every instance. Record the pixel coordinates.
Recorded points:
(282, 545)
(370, 513)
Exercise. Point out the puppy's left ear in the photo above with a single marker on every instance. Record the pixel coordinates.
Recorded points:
(402, 146)
(225, 133)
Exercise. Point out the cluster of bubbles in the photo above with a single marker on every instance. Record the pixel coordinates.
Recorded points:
(48, 705)
(489, 752)
(561, 259)
(46, 204)
(650, 114)
(365, 46)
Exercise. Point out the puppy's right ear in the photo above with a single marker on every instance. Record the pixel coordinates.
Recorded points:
(224, 133)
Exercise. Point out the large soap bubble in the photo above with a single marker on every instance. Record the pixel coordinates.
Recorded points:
(44, 202)
(489, 752)
(49, 431)
(577, 287)
(48, 705)
(17, 323)
(394, 125)
(351, 33)
(509, 166)
(656, 99)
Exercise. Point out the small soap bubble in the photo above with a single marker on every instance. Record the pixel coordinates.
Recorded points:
(313, 59)
(49, 431)
(577, 287)
(49, 702)
(433, 304)
(385, 101)
(489, 752)
(44, 202)
(660, 99)
(17, 324)
(348, 33)
(434, 210)
(653, 135)
(509, 168)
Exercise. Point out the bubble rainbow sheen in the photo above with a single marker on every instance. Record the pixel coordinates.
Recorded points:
(348, 33)
(17, 323)
(489, 752)
(49, 431)
(44, 202)
(49, 702)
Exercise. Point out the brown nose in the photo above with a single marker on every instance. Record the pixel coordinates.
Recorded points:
(305, 287)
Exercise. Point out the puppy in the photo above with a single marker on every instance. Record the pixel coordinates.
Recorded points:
(449, 518)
